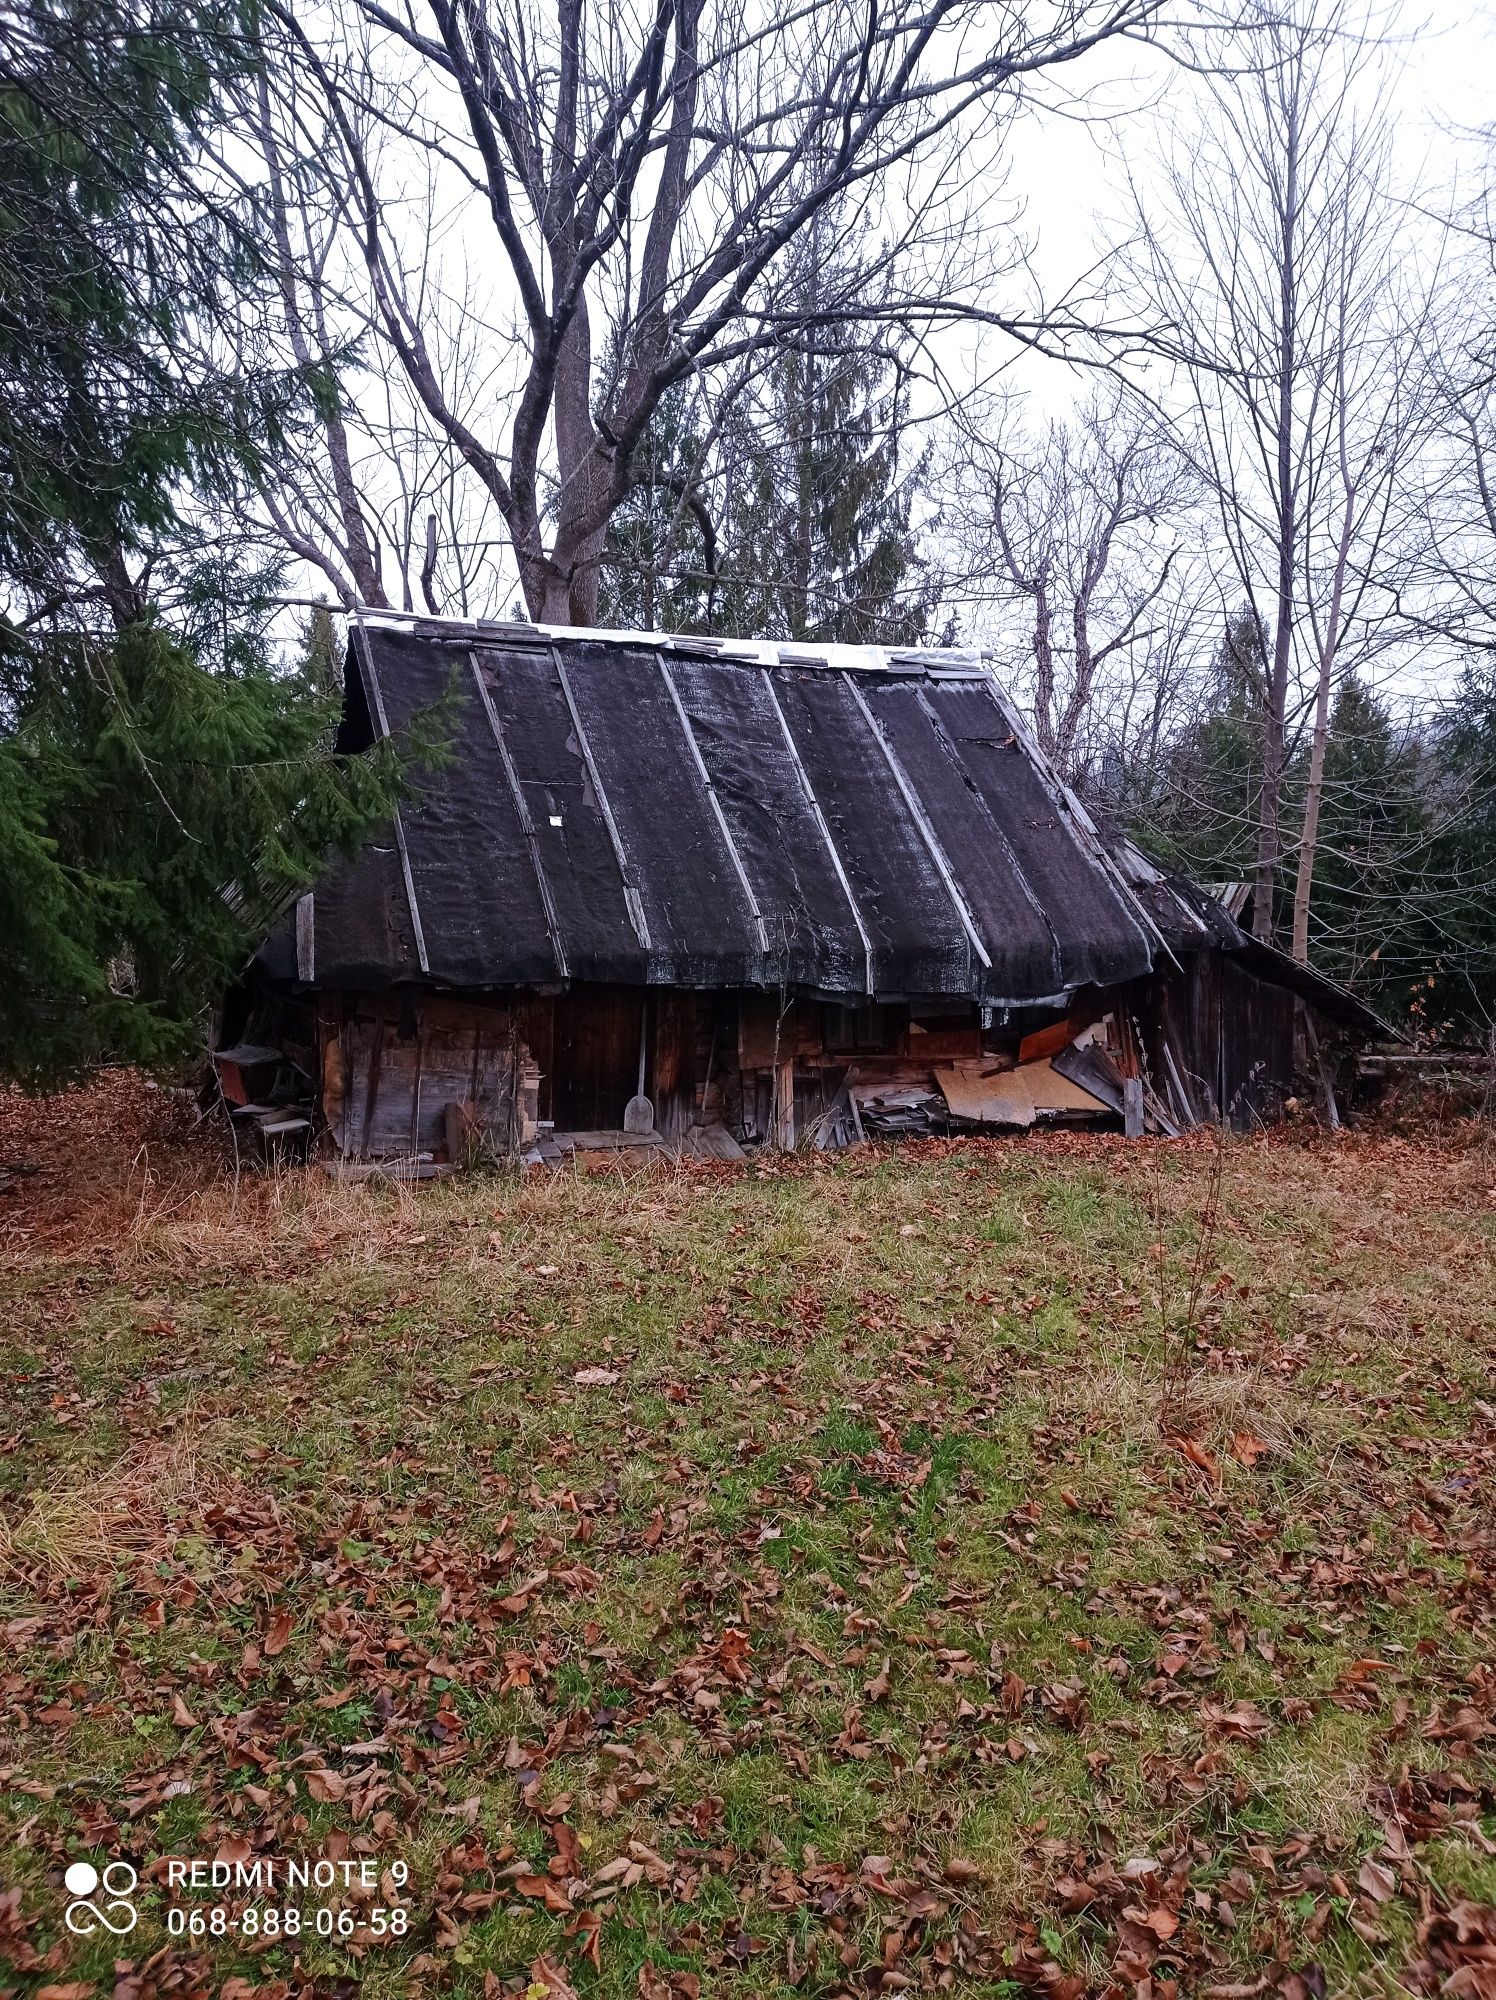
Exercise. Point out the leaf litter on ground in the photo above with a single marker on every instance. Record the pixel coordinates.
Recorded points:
(901, 1619)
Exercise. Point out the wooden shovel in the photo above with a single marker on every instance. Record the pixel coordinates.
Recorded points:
(639, 1113)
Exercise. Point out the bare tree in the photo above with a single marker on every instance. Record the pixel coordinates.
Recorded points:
(354, 491)
(1379, 410)
(1081, 530)
(1452, 590)
(1271, 253)
(633, 176)
(329, 530)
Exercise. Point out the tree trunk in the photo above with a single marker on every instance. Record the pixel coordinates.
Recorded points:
(124, 596)
(358, 550)
(1274, 749)
(1044, 667)
(1274, 732)
(562, 589)
(1307, 845)
(1080, 691)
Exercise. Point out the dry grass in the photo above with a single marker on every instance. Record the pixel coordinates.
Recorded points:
(264, 1221)
(83, 1525)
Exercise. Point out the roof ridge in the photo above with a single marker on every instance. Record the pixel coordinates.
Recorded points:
(833, 655)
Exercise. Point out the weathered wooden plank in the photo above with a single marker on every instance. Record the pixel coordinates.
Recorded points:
(1000, 1097)
(1132, 1106)
(306, 938)
(784, 1105)
(764, 1030)
(1048, 1041)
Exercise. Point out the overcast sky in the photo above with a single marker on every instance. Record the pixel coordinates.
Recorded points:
(1068, 172)
(1065, 181)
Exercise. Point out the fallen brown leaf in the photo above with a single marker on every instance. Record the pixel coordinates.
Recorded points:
(1195, 1452)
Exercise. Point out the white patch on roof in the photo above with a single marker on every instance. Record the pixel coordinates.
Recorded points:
(761, 652)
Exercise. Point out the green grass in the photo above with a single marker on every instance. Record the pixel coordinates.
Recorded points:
(871, 1608)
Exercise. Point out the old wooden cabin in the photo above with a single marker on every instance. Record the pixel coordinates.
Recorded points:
(786, 897)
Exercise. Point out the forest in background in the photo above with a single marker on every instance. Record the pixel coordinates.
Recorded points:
(689, 317)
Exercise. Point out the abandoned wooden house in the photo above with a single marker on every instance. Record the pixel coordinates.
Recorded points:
(716, 895)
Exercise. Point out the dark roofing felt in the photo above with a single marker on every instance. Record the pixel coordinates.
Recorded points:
(678, 813)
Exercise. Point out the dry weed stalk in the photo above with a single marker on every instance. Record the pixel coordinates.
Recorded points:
(260, 1222)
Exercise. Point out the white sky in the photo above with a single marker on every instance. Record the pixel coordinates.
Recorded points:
(1067, 172)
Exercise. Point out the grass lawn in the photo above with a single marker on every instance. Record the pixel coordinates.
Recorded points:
(1047, 1566)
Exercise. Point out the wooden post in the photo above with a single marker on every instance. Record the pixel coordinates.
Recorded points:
(1132, 1106)
(784, 1104)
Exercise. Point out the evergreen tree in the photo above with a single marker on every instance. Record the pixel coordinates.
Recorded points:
(1198, 811)
(790, 513)
(162, 787)
(119, 262)
(660, 569)
(841, 500)
(1366, 924)
(154, 818)
(1458, 887)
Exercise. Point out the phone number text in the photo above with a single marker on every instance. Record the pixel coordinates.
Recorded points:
(273, 1921)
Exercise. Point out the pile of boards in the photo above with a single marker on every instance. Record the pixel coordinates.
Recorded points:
(1076, 1082)
(269, 1100)
(991, 1092)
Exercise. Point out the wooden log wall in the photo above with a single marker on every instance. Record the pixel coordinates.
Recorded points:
(392, 1066)
(1217, 1042)
(410, 1074)
(396, 1067)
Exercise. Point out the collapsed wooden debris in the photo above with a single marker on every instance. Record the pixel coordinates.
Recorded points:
(1064, 1074)
(269, 1100)
(428, 1083)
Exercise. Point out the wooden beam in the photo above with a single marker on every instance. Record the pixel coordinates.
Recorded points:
(306, 939)
(784, 1104)
(918, 815)
(1132, 1106)
(527, 823)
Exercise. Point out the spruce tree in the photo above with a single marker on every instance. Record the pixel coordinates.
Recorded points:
(1198, 811)
(660, 568)
(1457, 886)
(841, 503)
(785, 511)
(163, 786)
(1365, 921)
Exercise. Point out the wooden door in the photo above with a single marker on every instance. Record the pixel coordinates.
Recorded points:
(595, 1056)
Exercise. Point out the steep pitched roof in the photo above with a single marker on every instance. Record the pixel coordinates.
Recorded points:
(685, 812)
